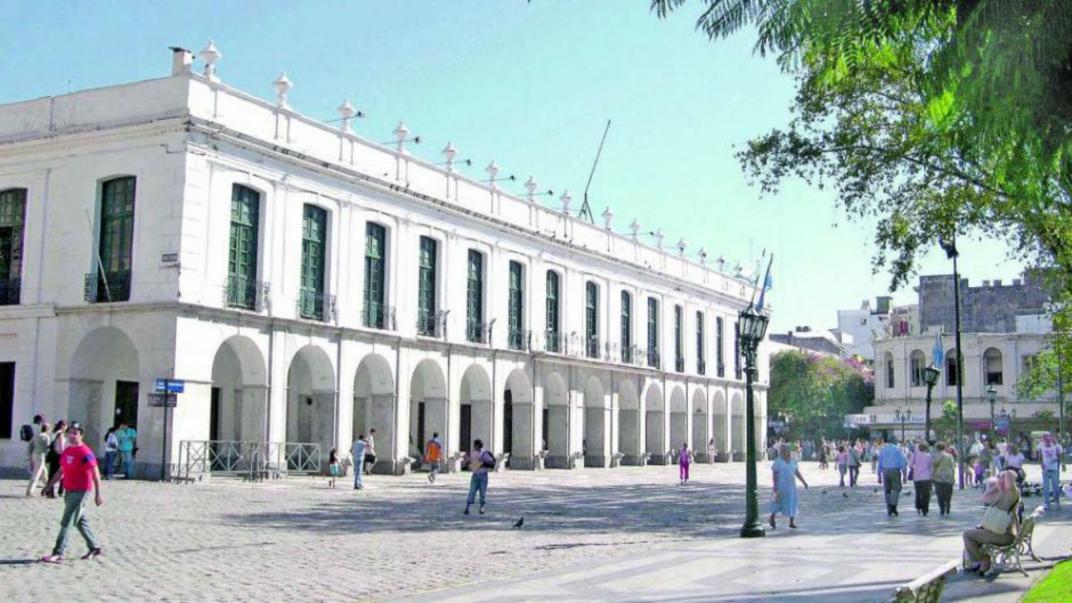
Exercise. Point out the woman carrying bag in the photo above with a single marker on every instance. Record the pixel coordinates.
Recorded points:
(1000, 521)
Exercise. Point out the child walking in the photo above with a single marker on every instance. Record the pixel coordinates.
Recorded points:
(333, 467)
(684, 459)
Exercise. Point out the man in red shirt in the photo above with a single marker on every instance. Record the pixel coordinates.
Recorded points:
(78, 469)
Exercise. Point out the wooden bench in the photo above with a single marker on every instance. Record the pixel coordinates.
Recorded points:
(1008, 556)
(927, 588)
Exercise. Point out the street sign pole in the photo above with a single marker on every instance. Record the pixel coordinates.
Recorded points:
(163, 449)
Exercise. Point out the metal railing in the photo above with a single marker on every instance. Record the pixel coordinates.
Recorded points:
(554, 342)
(253, 460)
(701, 367)
(591, 347)
(476, 332)
(628, 353)
(10, 289)
(653, 358)
(679, 364)
(428, 323)
(316, 305)
(243, 293)
(519, 339)
(379, 316)
(109, 286)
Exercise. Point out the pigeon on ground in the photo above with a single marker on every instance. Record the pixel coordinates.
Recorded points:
(845, 494)
(519, 523)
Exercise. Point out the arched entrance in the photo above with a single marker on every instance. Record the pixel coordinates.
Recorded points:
(720, 418)
(556, 420)
(477, 411)
(700, 424)
(374, 408)
(427, 406)
(737, 427)
(519, 421)
(679, 419)
(596, 444)
(104, 386)
(655, 426)
(629, 423)
(239, 395)
(310, 405)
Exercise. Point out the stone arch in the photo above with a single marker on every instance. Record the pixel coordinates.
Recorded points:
(993, 368)
(679, 418)
(519, 420)
(428, 405)
(737, 426)
(105, 382)
(655, 424)
(629, 422)
(477, 409)
(374, 408)
(310, 416)
(721, 421)
(596, 443)
(556, 420)
(239, 394)
(701, 422)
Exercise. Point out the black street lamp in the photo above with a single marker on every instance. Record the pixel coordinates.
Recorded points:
(930, 376)
(753, 326)
(992, 395)
(903, 417)
(949, 246)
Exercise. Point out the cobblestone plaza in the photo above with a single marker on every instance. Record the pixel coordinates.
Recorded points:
(630, 534)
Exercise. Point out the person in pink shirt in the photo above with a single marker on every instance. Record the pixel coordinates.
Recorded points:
(78, 470)
(842, 461)
(684, 459)
(922, 467)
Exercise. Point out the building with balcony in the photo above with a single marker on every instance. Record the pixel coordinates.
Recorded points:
(306, 286)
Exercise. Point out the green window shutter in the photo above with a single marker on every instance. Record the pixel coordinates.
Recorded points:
(12, 216)
(700, 366)
(653, 332)
(474, 312)
(314, 235)
(426, 287)
(516, 302)
(242, 254)
(627, 327)
(720, 361)
(679, 351)
(592, 319)
(375, 259)
(552, 311)
(116, 239)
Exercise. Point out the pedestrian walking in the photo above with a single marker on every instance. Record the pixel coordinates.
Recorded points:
(56, 445)
(875, 448)
(78, 470)
(1050, 457)
(127, 437)
(684, 459)
(712, 451)
(433, 455)
(842, 461)
(370, 453)
(358, 451)
(111, 451)
(1000, 521)
(333, 467)
(480, 461)
(822, 456)
(892, 466)
(922, 474)
(785, 474)
(943, 474)
(853, 461)
(38, 447)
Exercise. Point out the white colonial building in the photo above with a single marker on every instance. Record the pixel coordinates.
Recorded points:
(308, 285)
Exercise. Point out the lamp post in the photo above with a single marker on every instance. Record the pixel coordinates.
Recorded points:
(753, 326)
(950, 248)
(903, 417)
(992, 395)
(930, 375)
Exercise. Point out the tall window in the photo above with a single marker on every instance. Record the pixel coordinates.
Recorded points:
(116, 239)
(701, 367)
(889, 371)
(993, 365)
(375, 275)
(474, 298)
(314, 239)
(591, 319)
(426, 287)
(720, 346)
(242, 255)
(7, 399)
(653, 332)
(679, 344)
(918, 365)
(737, 349)
(952, 374)
(12, 216)
(517, 306)
(552, 306)
(627, 327)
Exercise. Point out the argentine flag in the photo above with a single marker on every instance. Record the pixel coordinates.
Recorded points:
(937, 352)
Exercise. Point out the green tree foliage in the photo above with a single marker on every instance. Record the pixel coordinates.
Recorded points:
(945, 426)
(815, 393)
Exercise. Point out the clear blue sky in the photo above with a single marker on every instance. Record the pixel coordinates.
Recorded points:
(530, 85)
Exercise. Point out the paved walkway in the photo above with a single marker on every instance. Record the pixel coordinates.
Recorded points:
(629, 533)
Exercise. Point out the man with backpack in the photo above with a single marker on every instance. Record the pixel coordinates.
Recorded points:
(479, 461)
(433, 455)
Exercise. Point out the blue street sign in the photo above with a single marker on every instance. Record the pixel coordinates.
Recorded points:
(174, 386)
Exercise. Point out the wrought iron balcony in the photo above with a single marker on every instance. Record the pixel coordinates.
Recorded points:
(721, 369)
(107, 286)
(518, 339)
(246, 294)
(9, 291)
(379, 316)
(430, 324)
(628, 353)
(477, 332)
(554, 342)
(591, 347)
(315, 305)
(679, 364)
(701, 367)
(653, 358)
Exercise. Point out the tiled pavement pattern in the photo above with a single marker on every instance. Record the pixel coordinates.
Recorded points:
(589, 534)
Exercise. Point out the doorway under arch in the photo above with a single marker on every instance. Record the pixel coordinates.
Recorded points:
(374, 408)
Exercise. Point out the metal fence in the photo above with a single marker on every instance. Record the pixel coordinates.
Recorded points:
(251, 460)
